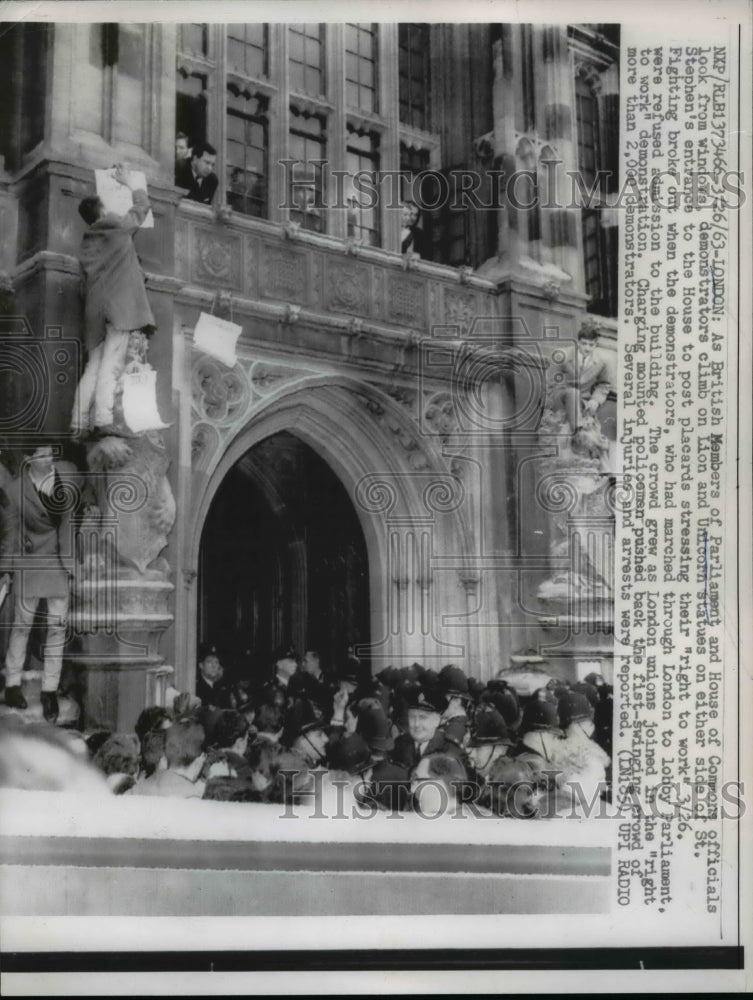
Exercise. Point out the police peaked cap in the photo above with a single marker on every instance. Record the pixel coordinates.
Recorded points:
(208, 649)
(427, 697)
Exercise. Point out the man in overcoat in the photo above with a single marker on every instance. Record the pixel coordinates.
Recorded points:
(116, 302)
(37, 551)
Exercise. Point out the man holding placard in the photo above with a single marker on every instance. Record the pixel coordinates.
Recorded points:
(116, 301)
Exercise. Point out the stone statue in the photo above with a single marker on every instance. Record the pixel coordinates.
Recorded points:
(135, 507)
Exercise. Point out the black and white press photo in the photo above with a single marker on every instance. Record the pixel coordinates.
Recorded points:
(371, 562)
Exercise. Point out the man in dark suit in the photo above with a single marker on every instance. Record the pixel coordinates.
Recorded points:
(198, 174)
(582, 381)
(37, 548)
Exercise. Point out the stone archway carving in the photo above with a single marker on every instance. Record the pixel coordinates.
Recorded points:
(409, 502)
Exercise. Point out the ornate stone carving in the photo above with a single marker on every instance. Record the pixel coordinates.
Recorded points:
(217, 258)
(284, 274)
(405, 302)
(204, 442)
(401, 394)
(582, 546)
(590, 74)
(460, 310)
(266, 377)
(135, 501)
(347, 288)
(550, 290)
(416, 458)
(439, 416)
(219, 393)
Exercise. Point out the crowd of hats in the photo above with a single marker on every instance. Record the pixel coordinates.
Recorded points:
(363, 722)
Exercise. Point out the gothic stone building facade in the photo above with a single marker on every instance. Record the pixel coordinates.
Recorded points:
(374, 470)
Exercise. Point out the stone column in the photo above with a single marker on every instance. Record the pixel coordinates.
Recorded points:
(557, 127)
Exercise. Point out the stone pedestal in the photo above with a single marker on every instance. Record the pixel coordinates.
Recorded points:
(118, 623)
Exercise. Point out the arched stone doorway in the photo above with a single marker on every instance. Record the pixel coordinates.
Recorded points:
(410, 508)
(282, 559)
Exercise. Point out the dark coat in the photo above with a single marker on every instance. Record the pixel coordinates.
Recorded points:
(219, 695)
(199, 189)
(115, 291)
(38, 545)
(416, 242)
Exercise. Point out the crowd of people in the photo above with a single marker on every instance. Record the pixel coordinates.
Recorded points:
(352, 743)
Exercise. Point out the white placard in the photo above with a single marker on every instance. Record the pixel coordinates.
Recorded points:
(140, 401)
(118, 198)
(217, 337)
